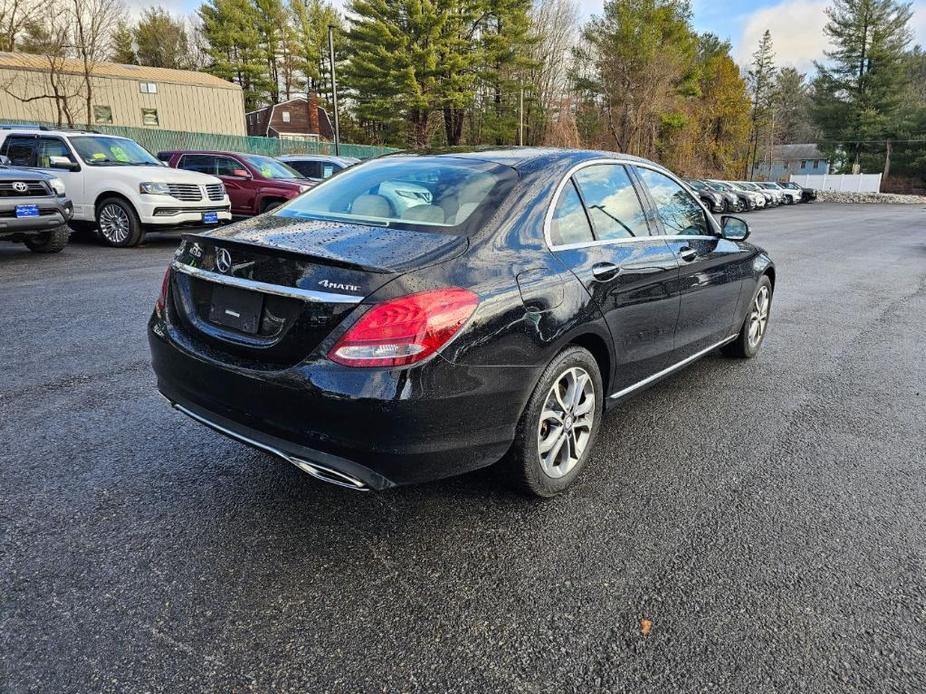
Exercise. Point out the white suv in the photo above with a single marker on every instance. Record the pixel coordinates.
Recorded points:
(116, 184)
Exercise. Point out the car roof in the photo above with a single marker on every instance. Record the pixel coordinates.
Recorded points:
(526, 157)
(318, 157)
(8, 172)
(36, 130)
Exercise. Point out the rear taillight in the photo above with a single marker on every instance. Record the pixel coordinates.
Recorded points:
(162, 298)
(405, 330)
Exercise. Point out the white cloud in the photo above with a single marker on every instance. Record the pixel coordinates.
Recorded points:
(797, 32)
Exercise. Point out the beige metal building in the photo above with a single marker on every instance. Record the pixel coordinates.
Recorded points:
(126, 95)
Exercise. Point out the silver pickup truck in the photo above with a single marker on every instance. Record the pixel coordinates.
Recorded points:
(34, 209)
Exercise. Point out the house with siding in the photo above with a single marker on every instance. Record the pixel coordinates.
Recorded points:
(785, 160)
(299, 118)
(121, 95)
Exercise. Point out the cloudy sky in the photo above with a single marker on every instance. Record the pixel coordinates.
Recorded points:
(796, 25)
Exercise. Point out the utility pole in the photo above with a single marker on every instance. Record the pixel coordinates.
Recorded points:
(521, 118)
(334, 91)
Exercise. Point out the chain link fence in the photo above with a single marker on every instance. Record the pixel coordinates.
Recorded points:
(156, 140)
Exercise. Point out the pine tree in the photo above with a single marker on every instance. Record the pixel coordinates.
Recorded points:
(234, 48)
(761, 81)
(395, 58)
(161, 40)
(858, 93)
(124, 44)
(792, 108)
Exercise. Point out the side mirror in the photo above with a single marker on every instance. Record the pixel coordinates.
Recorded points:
(734, 228)
(4, 160)
(63, 163)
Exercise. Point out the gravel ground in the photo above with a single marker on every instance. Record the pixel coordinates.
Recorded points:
(765, 518)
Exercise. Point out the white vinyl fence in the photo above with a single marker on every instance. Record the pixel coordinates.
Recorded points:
(840, 183)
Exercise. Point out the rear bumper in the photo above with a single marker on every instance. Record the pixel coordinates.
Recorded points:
(382, 427)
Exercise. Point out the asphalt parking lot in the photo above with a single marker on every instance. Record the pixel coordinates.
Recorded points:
(767, 517)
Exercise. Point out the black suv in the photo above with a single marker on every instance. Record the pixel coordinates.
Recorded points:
(33, 209)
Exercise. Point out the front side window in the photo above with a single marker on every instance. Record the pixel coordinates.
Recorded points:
(20, 150)
(48, 147)
(270, 167)
(611, 201)
(100, 150)
(569, 223)
(226, 166)
(408, 191)
(680, 213)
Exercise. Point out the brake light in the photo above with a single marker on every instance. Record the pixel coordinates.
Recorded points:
(405, 330)
(162, 297)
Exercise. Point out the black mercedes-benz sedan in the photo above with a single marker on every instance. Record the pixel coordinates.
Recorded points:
(419, 316)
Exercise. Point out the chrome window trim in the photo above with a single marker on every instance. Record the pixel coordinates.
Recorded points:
(265, 287)
(548, 217)
(668, 370)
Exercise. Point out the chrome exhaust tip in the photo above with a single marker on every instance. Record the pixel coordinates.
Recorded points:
(319, 472)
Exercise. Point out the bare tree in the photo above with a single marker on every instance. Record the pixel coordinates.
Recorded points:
(15, 15)
(93, 23)
(51, 39)
(555, 24)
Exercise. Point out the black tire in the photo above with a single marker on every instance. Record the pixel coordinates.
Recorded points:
(743, 347)
(269, 205)
(523, 465)
(52, 241)
(118, 223)
(84, 232)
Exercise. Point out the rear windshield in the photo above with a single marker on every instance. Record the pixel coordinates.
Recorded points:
(407, 192)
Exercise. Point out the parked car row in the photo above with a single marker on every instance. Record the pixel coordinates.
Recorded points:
(53, 179)
(746, 196)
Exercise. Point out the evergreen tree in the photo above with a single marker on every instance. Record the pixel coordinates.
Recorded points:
(124, 44)
(761, 81)
(161, 41)
(234, 48)
(792, 104)
(859, 91)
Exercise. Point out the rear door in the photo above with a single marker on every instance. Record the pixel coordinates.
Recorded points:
(710, 267)
(599, 230)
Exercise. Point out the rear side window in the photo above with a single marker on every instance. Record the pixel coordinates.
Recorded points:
(612, 202)
(201, 163)
(569, 223)
(680, 213)
(310, 169)
(20, 150)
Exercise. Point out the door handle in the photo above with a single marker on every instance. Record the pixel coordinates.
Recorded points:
(687, 253)
(605, 271)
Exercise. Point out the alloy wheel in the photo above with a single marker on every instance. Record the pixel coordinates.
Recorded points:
(566, 422)
(114, 223)
(758, 318)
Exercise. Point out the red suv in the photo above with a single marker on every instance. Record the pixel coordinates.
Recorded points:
(254, 183)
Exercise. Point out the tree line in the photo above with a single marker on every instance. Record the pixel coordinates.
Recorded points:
(637, 77)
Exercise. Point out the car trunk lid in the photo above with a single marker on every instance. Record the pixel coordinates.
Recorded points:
(267, 292)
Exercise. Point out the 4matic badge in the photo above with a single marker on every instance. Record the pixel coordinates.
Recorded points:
(343, 287)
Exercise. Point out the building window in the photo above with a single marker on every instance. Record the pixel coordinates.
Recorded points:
(149, 116)
(803, 163)
(148, 87)
(102, 114)
(816, 162)
(285, 116)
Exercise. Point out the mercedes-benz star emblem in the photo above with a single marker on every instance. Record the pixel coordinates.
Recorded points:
(223, 261)
(20, 187)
